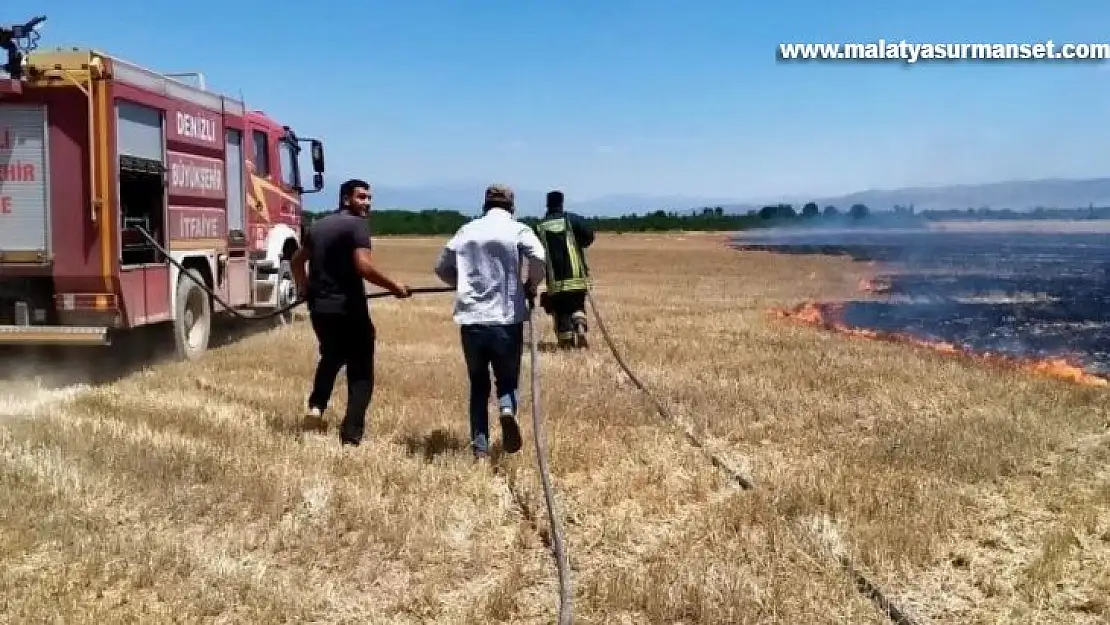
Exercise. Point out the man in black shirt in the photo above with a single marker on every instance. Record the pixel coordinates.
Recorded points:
(337, 251)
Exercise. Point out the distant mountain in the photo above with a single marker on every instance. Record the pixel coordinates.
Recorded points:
(1016, 195)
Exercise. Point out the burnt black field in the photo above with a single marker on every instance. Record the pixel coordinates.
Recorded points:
(1020, 294)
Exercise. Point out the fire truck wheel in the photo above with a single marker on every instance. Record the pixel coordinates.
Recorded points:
(286, 293)
(193, 321)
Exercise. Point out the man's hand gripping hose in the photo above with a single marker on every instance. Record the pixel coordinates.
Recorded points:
(545, 476)
(273, 313)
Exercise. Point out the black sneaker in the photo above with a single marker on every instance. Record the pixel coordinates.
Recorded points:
(510, 432)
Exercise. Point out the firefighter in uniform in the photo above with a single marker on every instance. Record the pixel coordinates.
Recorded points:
(565, 236)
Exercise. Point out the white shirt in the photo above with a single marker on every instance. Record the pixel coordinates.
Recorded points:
(483, 262)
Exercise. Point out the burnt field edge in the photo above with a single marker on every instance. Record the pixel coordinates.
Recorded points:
(876, 285)
(885, 282)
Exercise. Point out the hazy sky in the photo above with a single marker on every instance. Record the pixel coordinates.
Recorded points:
(623, 96)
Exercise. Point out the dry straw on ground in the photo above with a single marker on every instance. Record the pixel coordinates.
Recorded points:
(186, 493)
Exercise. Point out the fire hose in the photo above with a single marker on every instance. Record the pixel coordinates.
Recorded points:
(545, 476)
(744, 481)
(273, 313)
(896, 614)
(537, 436)
(890, 609)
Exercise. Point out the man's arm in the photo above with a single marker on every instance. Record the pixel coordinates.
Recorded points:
(532, 249)
(583, 234)
(298, 262)
(365, 265)
(447, 265)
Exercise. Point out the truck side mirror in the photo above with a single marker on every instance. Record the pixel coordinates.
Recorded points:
(317, 156)
(318, 181)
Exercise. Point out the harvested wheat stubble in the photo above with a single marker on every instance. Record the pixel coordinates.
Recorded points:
(188, 493)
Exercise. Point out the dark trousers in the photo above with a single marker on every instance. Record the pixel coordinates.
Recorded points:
(345, 340)
(498, 348)
(564, 307)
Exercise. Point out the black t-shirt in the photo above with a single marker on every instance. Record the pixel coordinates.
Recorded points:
(334, 284)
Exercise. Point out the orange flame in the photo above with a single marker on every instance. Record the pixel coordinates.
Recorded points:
(827, 316)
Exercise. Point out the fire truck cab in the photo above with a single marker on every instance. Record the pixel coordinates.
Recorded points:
(94, 148)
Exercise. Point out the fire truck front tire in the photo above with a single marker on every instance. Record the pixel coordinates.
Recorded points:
(286, 294)
(192, 323)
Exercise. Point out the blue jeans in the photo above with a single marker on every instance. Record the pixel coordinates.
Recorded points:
(496, 347)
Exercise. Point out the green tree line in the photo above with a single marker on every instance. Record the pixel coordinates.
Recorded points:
(711, 219)
(431, 222)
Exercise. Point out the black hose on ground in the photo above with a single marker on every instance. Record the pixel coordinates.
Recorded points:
(888, 607)
(744, 481)
(545, 478)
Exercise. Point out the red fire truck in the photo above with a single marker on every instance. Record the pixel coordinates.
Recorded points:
(94, 148)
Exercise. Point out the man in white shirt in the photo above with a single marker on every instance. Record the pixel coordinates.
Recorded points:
(483, 261)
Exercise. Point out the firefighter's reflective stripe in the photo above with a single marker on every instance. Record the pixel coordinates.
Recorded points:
(551, 226)
(576, 281)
